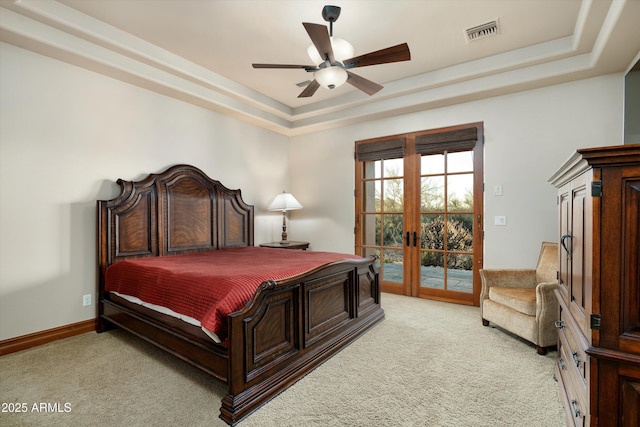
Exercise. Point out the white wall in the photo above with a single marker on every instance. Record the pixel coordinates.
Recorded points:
(528, 135)
(66, 135)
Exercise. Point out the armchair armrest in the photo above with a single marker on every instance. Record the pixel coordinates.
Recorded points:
(547, 313)
(546, 301)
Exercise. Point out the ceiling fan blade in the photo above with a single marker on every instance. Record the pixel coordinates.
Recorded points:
(320, 37)
(384, 56)
(310, 89)
(367, 86)
(304, 67)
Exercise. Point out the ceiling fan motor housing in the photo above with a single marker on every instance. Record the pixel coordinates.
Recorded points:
(331, 13)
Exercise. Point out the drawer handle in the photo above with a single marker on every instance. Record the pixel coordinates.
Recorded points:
(576, 360)
(576, 410)
(559, 324)
(561, 364)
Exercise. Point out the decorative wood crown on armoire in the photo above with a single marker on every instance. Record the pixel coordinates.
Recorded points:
(598, 367)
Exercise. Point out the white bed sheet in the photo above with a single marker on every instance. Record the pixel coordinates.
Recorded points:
(169, 312)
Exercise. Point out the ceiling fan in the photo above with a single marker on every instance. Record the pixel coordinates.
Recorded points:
(334, 58)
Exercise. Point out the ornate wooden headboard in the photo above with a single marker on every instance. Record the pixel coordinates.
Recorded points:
(176, 211)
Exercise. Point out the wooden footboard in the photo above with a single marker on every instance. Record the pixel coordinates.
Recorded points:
(288, 328)
(291, 327)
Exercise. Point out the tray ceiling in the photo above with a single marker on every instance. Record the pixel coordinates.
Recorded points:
(201, 50)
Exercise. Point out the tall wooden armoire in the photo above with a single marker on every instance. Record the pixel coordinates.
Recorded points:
(598, 368)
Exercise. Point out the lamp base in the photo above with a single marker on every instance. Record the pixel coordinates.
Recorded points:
(284, 240)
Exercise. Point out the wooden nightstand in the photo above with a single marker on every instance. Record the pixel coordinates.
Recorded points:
(290, 245)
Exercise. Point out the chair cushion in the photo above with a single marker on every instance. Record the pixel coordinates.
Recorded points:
(522, 300)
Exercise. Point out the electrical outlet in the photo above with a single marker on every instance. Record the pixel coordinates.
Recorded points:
(86, 300)
(497, 190)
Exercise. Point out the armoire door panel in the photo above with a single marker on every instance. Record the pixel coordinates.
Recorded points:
(630, 259)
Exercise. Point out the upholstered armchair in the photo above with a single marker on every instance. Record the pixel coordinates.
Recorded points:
(522, 302)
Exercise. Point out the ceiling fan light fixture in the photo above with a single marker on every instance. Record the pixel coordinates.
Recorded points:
(331, 71)
(331, 77)
(342, 50)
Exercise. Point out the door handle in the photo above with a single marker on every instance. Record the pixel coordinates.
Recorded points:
(415, 239)
(564, 245)
(408, 237)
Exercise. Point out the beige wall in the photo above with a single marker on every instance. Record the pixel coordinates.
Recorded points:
(66, 134)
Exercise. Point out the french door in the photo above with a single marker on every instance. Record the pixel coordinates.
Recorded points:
(419, 210)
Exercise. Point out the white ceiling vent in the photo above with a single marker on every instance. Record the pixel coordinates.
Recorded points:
(482, 31)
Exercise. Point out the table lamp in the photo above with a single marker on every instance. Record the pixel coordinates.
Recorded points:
(284, 202)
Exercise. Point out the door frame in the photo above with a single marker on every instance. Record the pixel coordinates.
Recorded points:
(453, 137)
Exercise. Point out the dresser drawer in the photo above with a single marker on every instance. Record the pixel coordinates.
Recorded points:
(569, 338)
(573, 356)
(572, 371)
(573, 396)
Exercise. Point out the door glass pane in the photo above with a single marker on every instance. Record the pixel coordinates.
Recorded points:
(373, 169)
(393, 190)
(370, 196)
(370, 229)
(392, 230)
(460, 232)
(378, 195)
(460, 192)
(392, 265)
(432, 231)
(460, 272)
(393, 168)
(432, 269)
(432, 164)
(432, 194)
(460, 162)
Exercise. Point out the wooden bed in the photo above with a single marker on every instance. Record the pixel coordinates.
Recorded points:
(288, 327)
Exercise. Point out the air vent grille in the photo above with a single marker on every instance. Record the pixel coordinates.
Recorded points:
(482, 31)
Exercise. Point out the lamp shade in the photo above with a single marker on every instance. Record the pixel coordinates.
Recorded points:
(342, 50)
(284, 202)
(331, 77)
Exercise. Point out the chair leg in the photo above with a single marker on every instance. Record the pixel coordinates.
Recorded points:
(485, 322)
(542, 351)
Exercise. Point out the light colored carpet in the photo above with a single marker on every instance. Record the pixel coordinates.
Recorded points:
(428, 364)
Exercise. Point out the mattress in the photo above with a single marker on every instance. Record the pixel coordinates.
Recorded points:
(205, 287)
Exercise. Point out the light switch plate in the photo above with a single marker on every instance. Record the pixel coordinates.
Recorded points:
(500, 220)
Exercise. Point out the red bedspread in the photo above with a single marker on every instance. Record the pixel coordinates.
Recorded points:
(208, 286)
